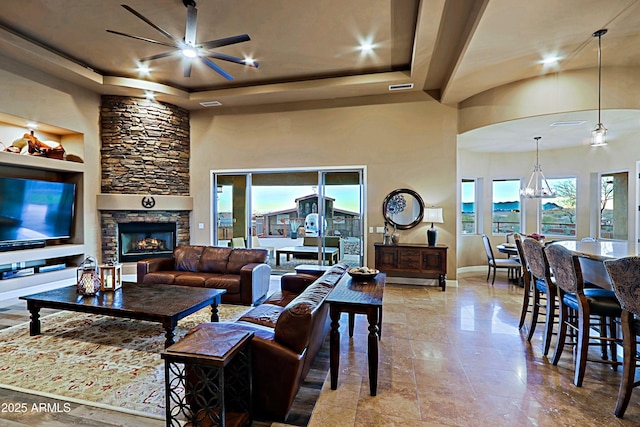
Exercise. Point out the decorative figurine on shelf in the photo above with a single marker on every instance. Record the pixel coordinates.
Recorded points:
(390, 238)
(395, 236)
(386, 237)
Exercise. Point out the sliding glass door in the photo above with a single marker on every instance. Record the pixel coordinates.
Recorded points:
(299, 216)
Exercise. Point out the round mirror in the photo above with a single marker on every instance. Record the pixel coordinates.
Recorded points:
(403, 208)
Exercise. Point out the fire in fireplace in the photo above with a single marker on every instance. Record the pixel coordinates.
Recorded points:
(140, 240)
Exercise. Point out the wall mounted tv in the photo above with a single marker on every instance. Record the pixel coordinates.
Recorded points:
(35, 210)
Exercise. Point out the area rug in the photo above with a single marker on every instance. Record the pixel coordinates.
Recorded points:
(95, 360)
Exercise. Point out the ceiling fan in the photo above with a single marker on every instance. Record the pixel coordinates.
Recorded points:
(188, 46)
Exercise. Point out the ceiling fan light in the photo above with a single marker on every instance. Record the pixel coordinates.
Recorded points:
(599, 136)
(190, 52)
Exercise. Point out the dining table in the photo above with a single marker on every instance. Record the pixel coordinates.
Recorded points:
(592, 255)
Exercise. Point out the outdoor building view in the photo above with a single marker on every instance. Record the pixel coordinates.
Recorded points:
(287, 218)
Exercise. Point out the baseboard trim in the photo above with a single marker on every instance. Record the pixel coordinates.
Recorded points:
(399, 280)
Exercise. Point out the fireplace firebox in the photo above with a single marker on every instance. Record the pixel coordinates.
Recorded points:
(140, 240)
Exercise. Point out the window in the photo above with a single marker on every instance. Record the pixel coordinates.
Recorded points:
(558, 214)
(506, 206)
(468, 206)
(613, 206)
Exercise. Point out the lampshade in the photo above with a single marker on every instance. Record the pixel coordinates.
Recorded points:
(433, 215)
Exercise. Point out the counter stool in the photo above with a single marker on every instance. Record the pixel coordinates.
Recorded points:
(579, 309)
(543, 285)
(625, 278)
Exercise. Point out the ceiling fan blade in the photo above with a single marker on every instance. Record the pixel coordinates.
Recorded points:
(192, 24)
(187, 67)
(216, 68)
(159, 56)
(233, 59)
(144, 39)
(225, 42)
(165, 33)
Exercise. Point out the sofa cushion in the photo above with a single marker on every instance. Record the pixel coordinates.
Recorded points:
(241, 257)
(264, 314)
(187, 257)
(230, 282)
(161, 277)
(214, 259)
(190, 279)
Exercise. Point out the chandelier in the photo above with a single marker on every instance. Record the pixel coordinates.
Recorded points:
(538, 187)
(598, 135)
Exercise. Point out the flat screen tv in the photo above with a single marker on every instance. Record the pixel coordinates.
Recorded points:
(35, 210)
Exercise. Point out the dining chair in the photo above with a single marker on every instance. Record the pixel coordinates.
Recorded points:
(544, 290)
(527, 300)
(625, 280)
(582, 309)
(512, 266)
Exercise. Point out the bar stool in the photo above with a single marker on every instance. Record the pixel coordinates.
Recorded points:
(625, 279)
(526, 278)
(542, 286)
(580, 309)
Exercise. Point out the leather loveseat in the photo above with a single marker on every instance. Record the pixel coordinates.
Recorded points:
(244, 273)
(289, 330)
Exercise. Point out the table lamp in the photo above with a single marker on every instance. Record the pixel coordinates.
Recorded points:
(432, 215)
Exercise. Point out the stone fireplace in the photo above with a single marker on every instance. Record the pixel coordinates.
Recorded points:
(145, 178)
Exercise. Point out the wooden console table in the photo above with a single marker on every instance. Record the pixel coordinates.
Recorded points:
(356, 297)
(413, 259)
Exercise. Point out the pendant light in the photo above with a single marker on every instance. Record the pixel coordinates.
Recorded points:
(538, 187)
(599, 134)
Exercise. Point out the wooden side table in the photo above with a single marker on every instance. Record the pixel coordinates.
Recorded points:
(208, 378)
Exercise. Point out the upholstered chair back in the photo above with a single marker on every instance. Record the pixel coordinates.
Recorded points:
(625, 279)
(566, 268)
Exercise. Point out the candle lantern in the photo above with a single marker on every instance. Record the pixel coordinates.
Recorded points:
(110, 277)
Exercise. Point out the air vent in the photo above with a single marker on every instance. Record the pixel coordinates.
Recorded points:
(211, 103)
(569, 123)
(404, 86)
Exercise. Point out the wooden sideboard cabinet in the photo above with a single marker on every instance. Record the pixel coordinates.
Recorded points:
(413, 260)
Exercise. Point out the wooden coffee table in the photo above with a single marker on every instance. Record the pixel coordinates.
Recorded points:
(165, 304)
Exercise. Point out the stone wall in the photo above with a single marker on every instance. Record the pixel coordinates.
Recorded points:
(145, 147)
(145, 150)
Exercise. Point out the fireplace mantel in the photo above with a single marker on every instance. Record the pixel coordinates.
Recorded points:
(144, 202)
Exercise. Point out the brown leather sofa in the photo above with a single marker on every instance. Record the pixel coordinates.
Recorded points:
(244, 273)
(289, 330)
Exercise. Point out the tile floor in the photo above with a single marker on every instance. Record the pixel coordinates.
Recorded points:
(453, 358)
(457, 358)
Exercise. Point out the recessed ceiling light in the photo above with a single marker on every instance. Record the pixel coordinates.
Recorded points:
(211, 103)
(32, 125)
(144, 70)
(569, 123)
(550, 59)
